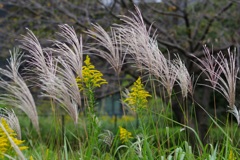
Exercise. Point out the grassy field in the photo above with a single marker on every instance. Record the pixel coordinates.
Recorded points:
(149, 131)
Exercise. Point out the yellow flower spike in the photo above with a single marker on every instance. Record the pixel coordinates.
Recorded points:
(137, 98)
(5, 145)
(125, 135)
(91, 78)
(231, 156)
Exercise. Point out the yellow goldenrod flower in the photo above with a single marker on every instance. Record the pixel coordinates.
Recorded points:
(124, 135)
(231, 156)
(128, 118)
(5, 145)
(91, 78)
(137, 98)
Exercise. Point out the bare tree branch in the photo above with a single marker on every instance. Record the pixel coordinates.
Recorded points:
(210, 22)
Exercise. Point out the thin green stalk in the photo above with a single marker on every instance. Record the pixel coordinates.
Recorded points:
(169, 107)
(180, 124)
(120, 91)
(146, 146)
(93, 128)
(214, 103)
(154, 123)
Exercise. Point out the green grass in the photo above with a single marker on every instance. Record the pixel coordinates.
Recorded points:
(162, 142)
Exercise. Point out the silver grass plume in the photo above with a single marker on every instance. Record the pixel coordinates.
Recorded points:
(71, 50)
(12, 120)
(111, 47)
(226, 84)
(138, 145)
(18, 93)
(235, 112)
(59, 88)
(136, 39)
(31, 44)
(70, 56)
(222, 74)
(183, 78)
(70, 93)
(56, 75)
(144, 50)
(107, 137)
(210, 67)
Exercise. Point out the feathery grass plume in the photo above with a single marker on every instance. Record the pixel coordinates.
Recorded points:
(183, 78)
(137, 41)
(31, 44)
(210, 67)
(168, 75)
(222, 74)
(124, 134)
(137, 98)
(138, 145)
(235, 112)
(112, 48)
(8, 141)
(12, 120)
(71, 50)
(60, 85)
(144, 50)
(55, 81)
(64, 89)
(227, 82)
(107, 137)
(43, 64)
(69, 80)
(212, 70)
(18, 93)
